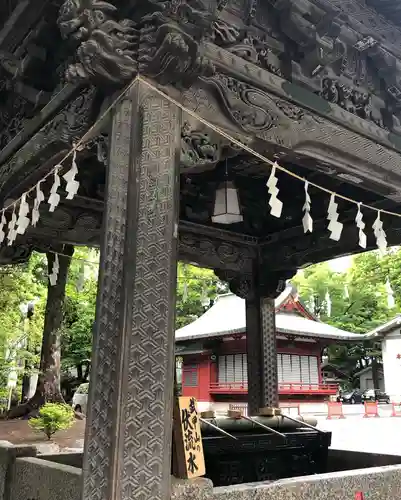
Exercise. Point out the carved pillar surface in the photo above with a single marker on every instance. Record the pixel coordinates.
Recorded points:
(269, 389)
(254, 359)
(261, 353)
(129, 426)
(259, 291)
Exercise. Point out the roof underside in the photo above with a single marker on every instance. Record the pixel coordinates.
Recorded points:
(227, 316)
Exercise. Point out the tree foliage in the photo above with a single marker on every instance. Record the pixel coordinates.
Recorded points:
(359, 302)
(20, 339)
(79, 315)
(196, 290)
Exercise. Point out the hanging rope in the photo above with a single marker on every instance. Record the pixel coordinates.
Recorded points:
(18, 225)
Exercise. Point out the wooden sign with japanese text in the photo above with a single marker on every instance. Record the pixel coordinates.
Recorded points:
(190, 461)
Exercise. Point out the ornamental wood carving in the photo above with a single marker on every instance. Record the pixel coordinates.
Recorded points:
(162, 44)
(315, 84)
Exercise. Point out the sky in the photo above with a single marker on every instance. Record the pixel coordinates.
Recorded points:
(341, 265)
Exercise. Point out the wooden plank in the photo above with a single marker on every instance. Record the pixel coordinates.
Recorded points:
(190, 461)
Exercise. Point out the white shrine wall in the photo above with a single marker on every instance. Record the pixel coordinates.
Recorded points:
(391, 352)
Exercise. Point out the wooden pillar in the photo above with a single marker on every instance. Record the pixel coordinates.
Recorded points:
(269, 352)
(254, 359)
(261, 353)
(129, 426)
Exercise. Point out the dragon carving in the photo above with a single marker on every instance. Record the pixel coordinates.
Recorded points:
(106, 50)
(112, 51)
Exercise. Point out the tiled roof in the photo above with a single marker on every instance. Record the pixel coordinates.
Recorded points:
(227, 316)
(387, 327)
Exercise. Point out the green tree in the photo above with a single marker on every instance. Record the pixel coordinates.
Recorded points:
(196, 287)
(69, 316)
(358, 303)
(60, 332)
(20, 338)
(80, 308)
(48, 387)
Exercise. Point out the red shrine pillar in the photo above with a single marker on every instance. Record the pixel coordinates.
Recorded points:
(129, 425)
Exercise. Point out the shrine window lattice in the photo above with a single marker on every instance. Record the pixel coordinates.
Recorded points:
(190, 376)
(291, 368)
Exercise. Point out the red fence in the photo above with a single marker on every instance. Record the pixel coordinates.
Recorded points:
(307, 388)
(334, 410)
(371, 409)
(396, 411)
(283, 388)
(232, 387)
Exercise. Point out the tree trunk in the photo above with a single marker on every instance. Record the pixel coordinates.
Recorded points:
(48, 387)
(375, 373)
(80, 376)
(26, 383)
(26, 379)
(87, 371)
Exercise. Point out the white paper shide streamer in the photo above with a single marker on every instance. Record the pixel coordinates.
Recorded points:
(10, 228)
(185, 292)
(276, 206)
(361, 226)
(55, 269)
(12, 232)
(72, 185)
(381, 239)
(3, 223)
(23, 221)
(36, 204)
(335, 227)
(307, 220)
(390, 294)
(327, 300)
(54, 198)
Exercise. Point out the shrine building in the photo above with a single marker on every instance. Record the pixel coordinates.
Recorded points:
(250, 138)
(212, 350)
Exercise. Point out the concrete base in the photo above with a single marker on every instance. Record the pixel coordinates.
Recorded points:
(381, 483)
(37, 479)
(26, 477)
(196, 489)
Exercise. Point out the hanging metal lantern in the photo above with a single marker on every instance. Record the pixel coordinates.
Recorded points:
(226, 205)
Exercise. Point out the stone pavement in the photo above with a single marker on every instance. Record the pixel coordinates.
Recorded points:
(374, 435)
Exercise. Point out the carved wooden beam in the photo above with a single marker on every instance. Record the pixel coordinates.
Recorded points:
(56, 135)
(25, 15)
(388, 8)
(214, 248)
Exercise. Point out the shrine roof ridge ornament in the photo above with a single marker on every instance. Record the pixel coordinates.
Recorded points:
(227, 317)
